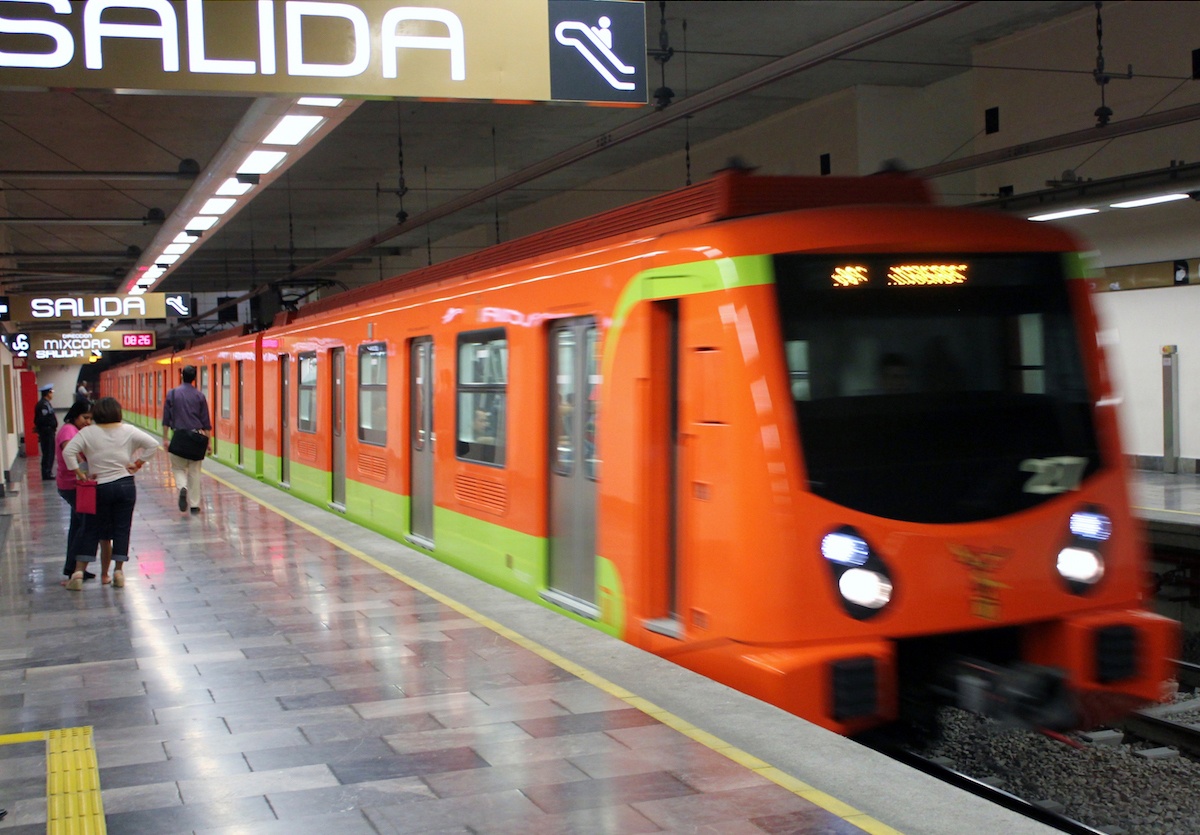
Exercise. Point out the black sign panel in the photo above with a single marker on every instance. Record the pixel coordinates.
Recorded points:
(598, 51)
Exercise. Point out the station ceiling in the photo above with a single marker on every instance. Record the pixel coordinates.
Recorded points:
(86, 175)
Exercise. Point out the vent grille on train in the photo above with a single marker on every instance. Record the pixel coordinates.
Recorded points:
(306, 450)
(481, 494)
(730, 194)
(373, 467)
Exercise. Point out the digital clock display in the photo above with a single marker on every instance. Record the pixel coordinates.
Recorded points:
(137, 340)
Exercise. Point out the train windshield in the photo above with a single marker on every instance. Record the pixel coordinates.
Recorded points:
(936, 388)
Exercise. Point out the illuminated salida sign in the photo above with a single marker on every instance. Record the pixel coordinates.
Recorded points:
(512, 50)
(76, 307)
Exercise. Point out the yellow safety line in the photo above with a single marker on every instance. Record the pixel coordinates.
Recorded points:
(73, 804)
(814, 796)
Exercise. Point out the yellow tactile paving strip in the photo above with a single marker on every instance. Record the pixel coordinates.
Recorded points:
(815, 796)
(73, 804)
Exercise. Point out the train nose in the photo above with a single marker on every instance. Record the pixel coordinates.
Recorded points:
(1027, 695)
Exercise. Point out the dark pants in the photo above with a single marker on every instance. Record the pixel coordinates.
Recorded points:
(112, 520)
(47, 442)
(73, 531)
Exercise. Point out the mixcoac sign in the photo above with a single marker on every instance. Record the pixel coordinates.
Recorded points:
(517, 50)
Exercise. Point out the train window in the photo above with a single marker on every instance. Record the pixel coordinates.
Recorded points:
(226, 390)
(923, 384)
(372, 394)
(204, 380)
(590, 456)
(482, 396)
(306, 393)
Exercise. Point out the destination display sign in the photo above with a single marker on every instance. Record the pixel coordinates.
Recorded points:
(901, 275)
(85, 346)
(515, 50)
(66, 308)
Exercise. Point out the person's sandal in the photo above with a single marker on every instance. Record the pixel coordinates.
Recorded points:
(76, 582)
(105, 580)
(118, 579)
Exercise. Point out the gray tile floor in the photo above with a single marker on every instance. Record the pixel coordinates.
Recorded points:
(252, 677)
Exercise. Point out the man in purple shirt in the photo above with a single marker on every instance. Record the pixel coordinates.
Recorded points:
(186, 408)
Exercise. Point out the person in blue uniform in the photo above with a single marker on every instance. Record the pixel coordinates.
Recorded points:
(45, 421)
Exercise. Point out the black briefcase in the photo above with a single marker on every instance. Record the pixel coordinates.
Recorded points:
(189, 444)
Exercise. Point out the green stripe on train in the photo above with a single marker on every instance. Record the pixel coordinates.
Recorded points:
(513, 561)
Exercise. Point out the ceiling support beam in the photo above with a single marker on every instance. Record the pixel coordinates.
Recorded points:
(881, 28)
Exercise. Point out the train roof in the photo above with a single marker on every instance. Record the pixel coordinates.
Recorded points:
(732, 193)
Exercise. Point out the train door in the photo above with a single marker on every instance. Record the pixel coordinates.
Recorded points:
(241, 399)
(337, 365)
(215, 399)
(664, 450)
(421, 438)
(285, 470)
(574, 380)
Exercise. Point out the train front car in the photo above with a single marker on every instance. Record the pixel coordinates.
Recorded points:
(933, 502)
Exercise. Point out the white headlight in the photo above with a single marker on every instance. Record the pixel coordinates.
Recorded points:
(1080, 565)
(865, 588)
(844, 548)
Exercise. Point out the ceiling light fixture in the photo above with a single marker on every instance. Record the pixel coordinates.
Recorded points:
(1148, 201)
(261, 162)
(176, 249)
(292, 129)
(319, 101)
(228, 180)
(1064, 214)
(217, 205)
(233, 187)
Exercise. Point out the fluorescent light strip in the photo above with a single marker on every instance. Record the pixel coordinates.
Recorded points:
(166, 259)
(232, 188)
(217, 205)
(176, 249)
(185, 238)
(292, 129)
(319, 101)
(1148, 201)
(201, 223)
(1067, 213)
(261, 162)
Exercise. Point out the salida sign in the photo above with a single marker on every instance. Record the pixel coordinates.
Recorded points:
(515, 50)
(78, 307)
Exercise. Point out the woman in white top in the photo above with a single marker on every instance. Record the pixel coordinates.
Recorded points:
(114, 452)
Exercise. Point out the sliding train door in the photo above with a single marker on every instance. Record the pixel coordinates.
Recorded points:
(337, 365)
(241, 417)
(285, 395)
(421, 440)
(574, 381)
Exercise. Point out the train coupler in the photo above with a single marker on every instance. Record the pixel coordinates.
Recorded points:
(1025, 695)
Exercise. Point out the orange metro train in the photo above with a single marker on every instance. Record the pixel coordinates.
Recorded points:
(819, 439)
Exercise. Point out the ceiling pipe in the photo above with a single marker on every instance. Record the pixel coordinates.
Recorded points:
(1112, 130)
(9, 176)
(881, 28)
(149, 220)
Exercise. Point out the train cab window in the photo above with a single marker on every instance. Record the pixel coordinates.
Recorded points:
(372, 394)
(306, 393)
(226, 390)
(925, 385)
(482, 396)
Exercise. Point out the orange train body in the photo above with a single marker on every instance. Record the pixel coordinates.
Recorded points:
(666, 421)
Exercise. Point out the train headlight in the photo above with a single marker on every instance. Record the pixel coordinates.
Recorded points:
(1080, 565)
(859, 573)
(1095, 527)
(869, 589)
(845, 548)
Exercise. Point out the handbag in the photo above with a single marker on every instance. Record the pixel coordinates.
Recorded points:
(189, 444)
(85, 497)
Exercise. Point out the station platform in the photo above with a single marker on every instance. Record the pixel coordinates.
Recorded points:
(1169, 505)
(271, 668)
